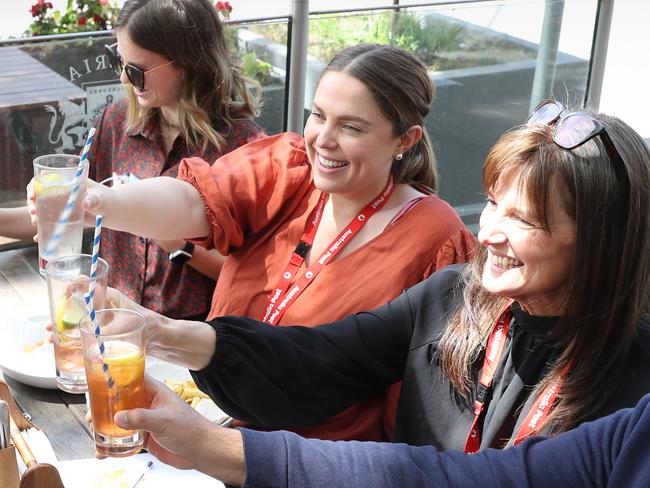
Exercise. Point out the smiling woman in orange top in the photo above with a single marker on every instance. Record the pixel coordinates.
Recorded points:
(320, 227)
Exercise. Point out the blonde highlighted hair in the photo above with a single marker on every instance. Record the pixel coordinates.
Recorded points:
(213, 93)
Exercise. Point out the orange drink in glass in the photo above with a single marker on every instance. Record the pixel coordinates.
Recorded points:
(114, 362)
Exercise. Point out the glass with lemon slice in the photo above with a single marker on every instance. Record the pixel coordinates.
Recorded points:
(53, 183)
(68, 278)
(115, 376)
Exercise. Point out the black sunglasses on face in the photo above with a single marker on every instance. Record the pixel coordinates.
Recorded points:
(134, 73)
(572, 129)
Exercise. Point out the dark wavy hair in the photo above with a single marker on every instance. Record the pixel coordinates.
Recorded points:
(609, 200)
(213, 92)
(400, 84)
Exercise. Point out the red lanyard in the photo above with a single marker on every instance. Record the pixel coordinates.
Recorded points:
(541, 408)
(284, 295)
(543, 404)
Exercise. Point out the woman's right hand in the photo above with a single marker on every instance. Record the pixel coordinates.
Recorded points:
(160, 208)
(96, 202)
(187, 343)
(117, 299)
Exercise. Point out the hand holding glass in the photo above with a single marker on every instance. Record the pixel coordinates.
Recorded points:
(68, 278)
(54, 180)
(114, 361)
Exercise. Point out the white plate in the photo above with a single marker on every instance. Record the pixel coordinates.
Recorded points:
(162, 371)
(25, 353)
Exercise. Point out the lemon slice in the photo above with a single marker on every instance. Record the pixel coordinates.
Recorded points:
(69, 312)
(122, 354)
(50, 183)
(126, 363)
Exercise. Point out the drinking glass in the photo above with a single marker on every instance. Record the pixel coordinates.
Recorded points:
(54, 180)
(68, 278)
(114, 359)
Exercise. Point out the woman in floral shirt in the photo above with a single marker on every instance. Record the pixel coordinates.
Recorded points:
(184, 98)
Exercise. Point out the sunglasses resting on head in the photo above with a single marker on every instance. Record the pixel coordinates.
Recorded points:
(134, 73)
(572, 129)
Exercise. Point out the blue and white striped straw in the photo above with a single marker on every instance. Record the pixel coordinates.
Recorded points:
(95, 256)
(100, 343)
(91, 294)
(67, 210)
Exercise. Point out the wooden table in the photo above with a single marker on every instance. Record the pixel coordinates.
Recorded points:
(60, 415)
(26, 82)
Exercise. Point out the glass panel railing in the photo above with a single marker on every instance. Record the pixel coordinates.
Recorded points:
(51, 92)
(483, 59)
(490, 62)
(266, 62)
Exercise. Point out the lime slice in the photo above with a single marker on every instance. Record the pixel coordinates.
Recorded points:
(69, 312)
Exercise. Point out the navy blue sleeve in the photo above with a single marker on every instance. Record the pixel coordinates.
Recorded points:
(612, 451)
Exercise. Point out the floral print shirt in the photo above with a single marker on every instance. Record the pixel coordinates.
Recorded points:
(138, 267)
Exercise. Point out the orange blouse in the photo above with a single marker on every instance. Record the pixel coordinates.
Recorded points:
(258, 199)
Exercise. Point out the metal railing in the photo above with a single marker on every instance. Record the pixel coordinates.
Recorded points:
(460, 100)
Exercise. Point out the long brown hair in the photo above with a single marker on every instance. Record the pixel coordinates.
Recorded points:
(609, 201)
(213, 94)
(401, 86)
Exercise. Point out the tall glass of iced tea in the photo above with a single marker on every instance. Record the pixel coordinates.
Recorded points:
(68, 278)
(114, 361)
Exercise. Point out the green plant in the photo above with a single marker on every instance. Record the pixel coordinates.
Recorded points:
(416, 33)
(251, 66)
(401, 29)
(427, 38)
(79, 16)
(257, 69)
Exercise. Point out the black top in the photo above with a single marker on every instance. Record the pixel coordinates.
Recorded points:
(278, 377)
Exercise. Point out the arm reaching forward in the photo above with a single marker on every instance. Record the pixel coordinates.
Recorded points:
(159, 208)
(15, 223)
(612, 451)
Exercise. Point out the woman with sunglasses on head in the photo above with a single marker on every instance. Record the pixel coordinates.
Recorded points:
(543, 330)
(321, 227)
(184, 98)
